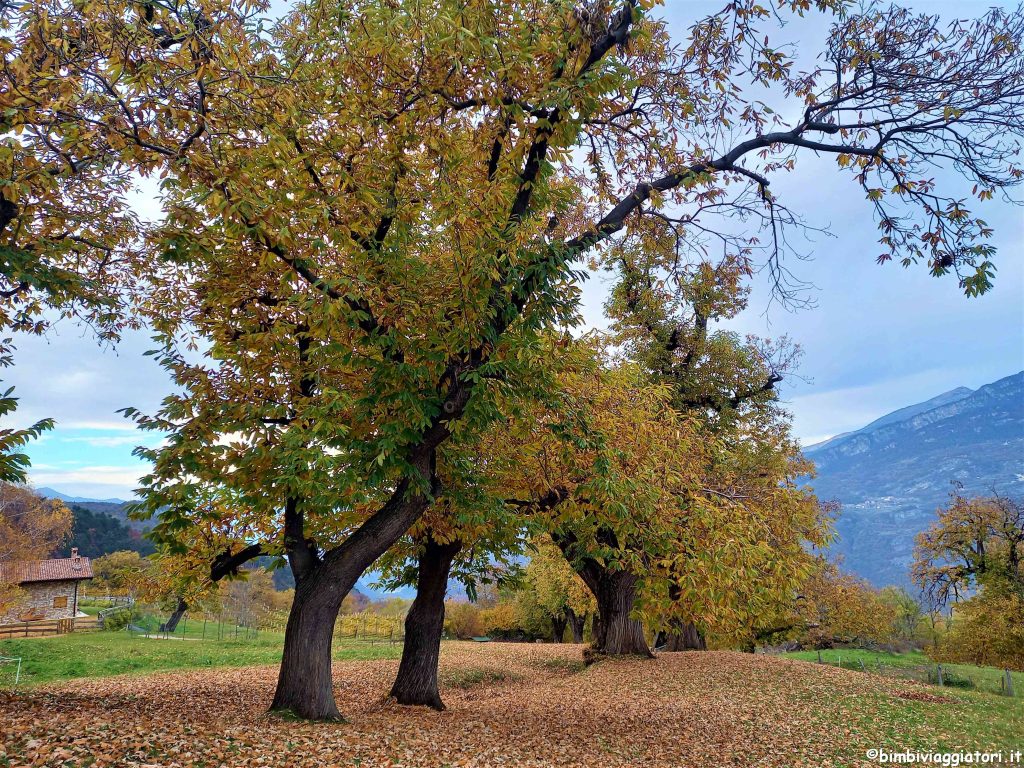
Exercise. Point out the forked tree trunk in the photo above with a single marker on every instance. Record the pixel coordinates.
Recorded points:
(304, 686)
(416, 683)
(685, 637)
(558, 623)
(576, 624)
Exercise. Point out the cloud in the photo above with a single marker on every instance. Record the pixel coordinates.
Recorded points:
(106, 475)
(74, 381)
(109, 442)
(99, 426)
(67, 376)
(94, 481)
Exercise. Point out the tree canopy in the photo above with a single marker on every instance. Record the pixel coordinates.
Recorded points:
(375, 217)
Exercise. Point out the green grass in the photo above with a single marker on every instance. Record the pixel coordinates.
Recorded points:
(468, 678)
(569, 666)
(960, 720)
(957, 719)
(916, 665)
(100, 654)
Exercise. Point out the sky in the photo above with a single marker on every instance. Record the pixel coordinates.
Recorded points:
(878, 339)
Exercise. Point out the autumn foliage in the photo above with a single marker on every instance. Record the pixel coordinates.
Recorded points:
(375, 221)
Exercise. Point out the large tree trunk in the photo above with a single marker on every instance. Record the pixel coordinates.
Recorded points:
(558, 623)
(416, 683)
(685, 637)
(620, 634)
(576, 624)
(616, 633)
(304, 686)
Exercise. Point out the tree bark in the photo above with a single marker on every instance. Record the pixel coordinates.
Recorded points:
(416, 683)
(558, 623)
(616, 633)
(576, 624)
(621, 635)
(685, 637)
(304, 686)
(595, 626)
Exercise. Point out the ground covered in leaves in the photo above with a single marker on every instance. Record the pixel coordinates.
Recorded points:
(515, 705)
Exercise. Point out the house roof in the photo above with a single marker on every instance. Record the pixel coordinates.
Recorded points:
(59, 569)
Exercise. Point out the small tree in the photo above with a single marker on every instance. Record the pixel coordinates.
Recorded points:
(908, 612)
(972, 557)
(120, 572)
(975, 541)
(249, 600)
(557, 590)
(838, 608)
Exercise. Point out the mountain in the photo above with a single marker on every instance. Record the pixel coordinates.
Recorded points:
(50, 493)
(892, 474)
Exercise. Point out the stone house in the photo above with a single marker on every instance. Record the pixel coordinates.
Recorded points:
(50, 587)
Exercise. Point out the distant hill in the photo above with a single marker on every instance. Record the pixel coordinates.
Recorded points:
(51, 493)
(96, 533)
(894, 473)
(115, 508)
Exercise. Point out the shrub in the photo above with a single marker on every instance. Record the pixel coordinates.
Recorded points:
(117, 620)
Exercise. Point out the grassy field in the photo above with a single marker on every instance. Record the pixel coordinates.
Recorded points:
(917, 666)
(513, 704)
(99, 654)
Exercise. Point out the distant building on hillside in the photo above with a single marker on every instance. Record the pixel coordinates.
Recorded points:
(50, 587)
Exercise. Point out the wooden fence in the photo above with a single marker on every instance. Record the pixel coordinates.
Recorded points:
(370, 628)
(371, 636)
(48, 627)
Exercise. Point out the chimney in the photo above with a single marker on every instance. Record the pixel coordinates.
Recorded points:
(76, 560)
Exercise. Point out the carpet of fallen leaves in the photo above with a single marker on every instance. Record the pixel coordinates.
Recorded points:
(508, 705)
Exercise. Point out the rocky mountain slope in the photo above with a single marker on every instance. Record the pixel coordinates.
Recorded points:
(894, 473)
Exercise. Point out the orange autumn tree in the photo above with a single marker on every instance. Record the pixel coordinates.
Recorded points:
(836, 607)
(373, 213)
(601, 473)
(742, 558)
(738, 563)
